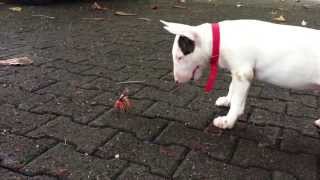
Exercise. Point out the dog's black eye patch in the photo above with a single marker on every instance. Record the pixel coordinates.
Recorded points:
(186, 45)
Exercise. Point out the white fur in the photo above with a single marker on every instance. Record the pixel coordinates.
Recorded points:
(284, 55)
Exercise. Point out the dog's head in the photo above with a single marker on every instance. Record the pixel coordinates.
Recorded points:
(189, 59)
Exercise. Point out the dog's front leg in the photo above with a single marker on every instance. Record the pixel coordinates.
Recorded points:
(241, 81)
(225, 100)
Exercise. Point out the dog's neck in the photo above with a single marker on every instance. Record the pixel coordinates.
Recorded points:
(205, 35)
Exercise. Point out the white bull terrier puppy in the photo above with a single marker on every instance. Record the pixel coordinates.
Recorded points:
(284, 55)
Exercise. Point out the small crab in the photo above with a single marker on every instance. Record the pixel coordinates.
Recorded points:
(123, 103)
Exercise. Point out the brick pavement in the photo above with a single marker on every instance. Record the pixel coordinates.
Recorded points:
(57, 120)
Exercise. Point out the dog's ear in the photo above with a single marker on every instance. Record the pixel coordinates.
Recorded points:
(180, 29)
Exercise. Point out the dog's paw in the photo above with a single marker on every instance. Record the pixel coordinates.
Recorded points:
(223, 101)
(222, 122)
(317, 123)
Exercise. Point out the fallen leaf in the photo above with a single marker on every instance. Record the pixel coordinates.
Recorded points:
(280, 19)
(304, 23)
(273, 12)
(121, 13)
(144, 19)
(180, 7)
(16, 61)
(93, 19)
(238, 5)
(96, 6)
(16, 9)
(44, 16)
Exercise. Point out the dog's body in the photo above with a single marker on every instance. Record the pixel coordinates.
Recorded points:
(287, 56)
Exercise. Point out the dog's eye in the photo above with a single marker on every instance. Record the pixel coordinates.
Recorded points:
(179, 58)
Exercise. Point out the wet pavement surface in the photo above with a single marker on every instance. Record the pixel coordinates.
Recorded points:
(57, 119)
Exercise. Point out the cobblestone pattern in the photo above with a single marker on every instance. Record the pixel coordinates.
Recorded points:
(57, 119)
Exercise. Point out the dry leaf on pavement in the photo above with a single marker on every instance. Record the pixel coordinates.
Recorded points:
(121, 13)
(238, 5)
(180, 7)
(280, 19)
(16, 9)
(93, 19)
(96, 6)
(144, 19)
(16, 61)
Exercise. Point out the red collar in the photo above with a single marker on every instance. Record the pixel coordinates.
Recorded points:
(214, 57)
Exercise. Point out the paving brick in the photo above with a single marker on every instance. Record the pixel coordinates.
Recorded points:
(200, 166)
(144, 128)
(299, 110)
(87, 139)
(273, 92)
(149, 73)
(23, 99)
(255, 91)
(217, 146)
(294, 141)
(277, 175)
(190, 118)
(65, 65)
(190, 89)
(101, 84)
(159, 84)
(121, 75)
(304, 125)
(16, 151)
(102, 62)
(306, 100)
(161, 159)
(67, 89)
(22, 122)
(157, 95)
(272, 105)
(63, 161)
(248, 154)
(304, 92)
(30, 78)
(262, 135)
(63, 75)
(139, 106)
(135, 172)
(80, 111)
(207, 101)
(9, 175)
(263, 117)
